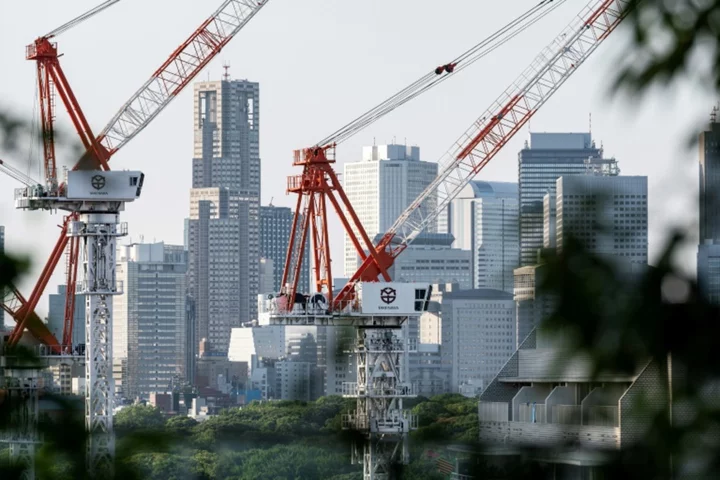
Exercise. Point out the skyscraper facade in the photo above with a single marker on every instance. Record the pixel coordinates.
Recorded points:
(708, 259)
(478, 336)
(484, 220)
(275, 227)
(381, 186)
(431, 259)
(223, 230)
(56, 315)
(609, 215)
(546, 158)
(709, 143)
(149, 324)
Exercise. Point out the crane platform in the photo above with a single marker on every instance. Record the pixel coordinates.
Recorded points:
(375, 305)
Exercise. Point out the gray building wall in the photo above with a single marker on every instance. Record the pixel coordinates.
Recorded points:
(56, 315)
(709, 145)
(609, 215)
(223, 230)
(547, 157)
(708, 271)
(478, 335)
(708, 258)
(484, 219)
(275, 228)
(150, 317)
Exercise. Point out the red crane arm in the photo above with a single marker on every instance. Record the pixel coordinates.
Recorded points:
(486, 136)
(174, 75)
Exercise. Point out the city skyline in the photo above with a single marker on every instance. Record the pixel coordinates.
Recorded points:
(587, 90)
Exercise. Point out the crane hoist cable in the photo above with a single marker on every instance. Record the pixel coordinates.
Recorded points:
(443, 72)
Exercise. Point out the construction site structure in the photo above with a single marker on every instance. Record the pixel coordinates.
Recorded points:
(94, 197)
(377, 311)
(318, 185)
(23, 382)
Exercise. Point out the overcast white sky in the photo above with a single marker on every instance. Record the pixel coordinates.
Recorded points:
(320, 64)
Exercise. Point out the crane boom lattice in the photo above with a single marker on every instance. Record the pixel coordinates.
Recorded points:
(505, 117)
(179, 70)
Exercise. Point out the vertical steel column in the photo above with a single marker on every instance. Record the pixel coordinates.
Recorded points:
(380, 389)
(21, 390)
(98, 232)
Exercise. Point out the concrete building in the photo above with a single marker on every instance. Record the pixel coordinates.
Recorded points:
(609, 215)
(275, 228)
(708, 271)
(224, 225)
(708, 258)
(56, 315)
(381, 186)
(484, 219)
(430, 258)
(340, 364)
(149, 317)
(547, 157)
(709, 145)
(532, 305)
(430, 322)
(262, 342)
(427, 370)
(220, 279)
(547, 396)
(267, 274)
(478, 336)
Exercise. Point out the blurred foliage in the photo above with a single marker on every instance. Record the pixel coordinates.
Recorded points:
(667, 35)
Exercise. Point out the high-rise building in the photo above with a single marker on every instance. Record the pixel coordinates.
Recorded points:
(484, 218)
(708, 258)
(149, 318)
(223, 231)
(478, 336)
(275, 228)
(708, 271)
(431, 259)
(267, 273)
(709, 142)
(56, 315)
(546, 158)
(609, 215)
(381, 186)
(532, 305)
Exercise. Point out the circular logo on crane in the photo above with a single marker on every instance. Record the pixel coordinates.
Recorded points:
(388, 295)
(97, 182)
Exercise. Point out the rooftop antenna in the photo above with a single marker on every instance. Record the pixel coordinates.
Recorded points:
(713, 114)
(590, 123)
(271, 199)
(226, 76)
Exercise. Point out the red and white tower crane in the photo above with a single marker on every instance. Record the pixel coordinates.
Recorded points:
(470, 153)
(94, 196)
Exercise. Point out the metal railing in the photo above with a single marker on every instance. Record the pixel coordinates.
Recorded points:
(567, 414)
(531, 413)
(493, 411)
(601, 416)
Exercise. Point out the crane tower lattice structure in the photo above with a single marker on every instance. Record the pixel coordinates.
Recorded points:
(379, 393)
(94, 197)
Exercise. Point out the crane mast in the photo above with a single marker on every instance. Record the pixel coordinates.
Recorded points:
(381, 400)
(488, 134)
(92, 226)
